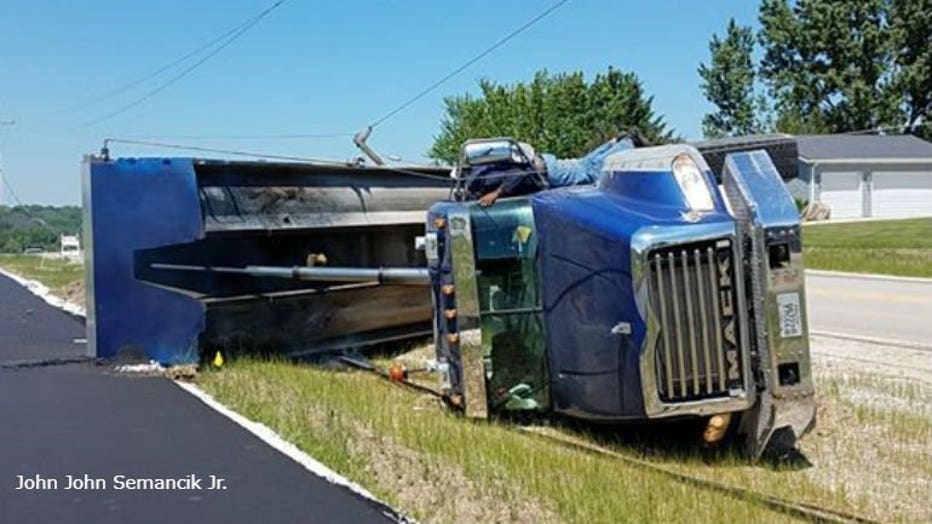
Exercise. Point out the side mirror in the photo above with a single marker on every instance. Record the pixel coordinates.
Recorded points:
(491, 151)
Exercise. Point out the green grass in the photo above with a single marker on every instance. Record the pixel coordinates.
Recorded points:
(55, 274)
(332, 415)
(892, 247)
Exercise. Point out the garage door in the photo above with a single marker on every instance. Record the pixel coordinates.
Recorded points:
(842, 193)
(902, 194)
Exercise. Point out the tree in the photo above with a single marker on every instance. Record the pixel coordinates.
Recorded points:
(36, 226)
(728, 82)
(911, 40)
(561, 114)
(829, 65)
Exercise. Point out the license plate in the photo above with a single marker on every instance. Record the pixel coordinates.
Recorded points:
(791, 322)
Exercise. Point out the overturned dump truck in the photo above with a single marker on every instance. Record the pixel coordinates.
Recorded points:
(662, 291)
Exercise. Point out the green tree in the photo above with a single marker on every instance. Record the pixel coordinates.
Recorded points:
(557, 113)
(829, 64)
(911, 41)
(36, 226)
(728, 82)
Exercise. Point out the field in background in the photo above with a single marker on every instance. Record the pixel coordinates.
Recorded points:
(60, 276)
(892, 247)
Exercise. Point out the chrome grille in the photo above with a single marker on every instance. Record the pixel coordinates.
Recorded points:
(692, 294)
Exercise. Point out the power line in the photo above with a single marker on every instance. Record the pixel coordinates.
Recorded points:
(221, 151)
(247, 26)
(253, 154)
(24, 209)
(472, 61)
(133, 83)
(280, 136)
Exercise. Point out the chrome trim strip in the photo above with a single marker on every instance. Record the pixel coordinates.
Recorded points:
(680, 353)
(713, 283)
(691, 332)
(467, 317)
(704, 321)
(668, 364)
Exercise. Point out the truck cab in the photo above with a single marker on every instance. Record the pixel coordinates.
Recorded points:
(654, 293)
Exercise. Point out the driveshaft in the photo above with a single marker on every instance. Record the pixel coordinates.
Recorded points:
(405, 276)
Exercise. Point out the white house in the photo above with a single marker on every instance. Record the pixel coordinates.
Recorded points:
(868, 175)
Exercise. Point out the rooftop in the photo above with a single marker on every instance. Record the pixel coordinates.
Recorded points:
(814, 148)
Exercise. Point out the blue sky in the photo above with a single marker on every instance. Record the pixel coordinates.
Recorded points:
(310, 67)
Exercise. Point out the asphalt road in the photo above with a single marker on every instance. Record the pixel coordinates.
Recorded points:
(84, 419)
(870, 307)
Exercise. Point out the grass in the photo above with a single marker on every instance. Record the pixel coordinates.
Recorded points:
(892, 247)
(55, 274)
(406, 449)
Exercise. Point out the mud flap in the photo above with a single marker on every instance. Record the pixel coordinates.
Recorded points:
(757, 425)
(773, 425)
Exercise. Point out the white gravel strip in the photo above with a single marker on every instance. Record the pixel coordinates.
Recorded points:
(873, 357)
(873, 340)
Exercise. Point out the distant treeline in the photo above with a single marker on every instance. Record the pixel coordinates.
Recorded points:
(23, 227)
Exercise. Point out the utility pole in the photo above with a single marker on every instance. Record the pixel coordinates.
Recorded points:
(3, 180)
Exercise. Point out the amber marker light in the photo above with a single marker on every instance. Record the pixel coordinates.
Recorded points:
(450, 314)
(453, 338)
(440, 222)
(448, 289)
(397, 371)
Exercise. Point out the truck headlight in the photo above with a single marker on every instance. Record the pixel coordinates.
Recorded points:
(693, 183)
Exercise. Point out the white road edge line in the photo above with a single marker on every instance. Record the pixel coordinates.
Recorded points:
(259, 430)
(872, 340)
(866, 276)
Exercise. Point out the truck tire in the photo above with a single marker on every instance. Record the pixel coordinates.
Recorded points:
(783, 151)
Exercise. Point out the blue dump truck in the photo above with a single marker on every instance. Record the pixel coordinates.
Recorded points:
(665, 289)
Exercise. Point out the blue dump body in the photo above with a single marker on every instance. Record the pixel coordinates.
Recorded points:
(146, 218)
(132, 205)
